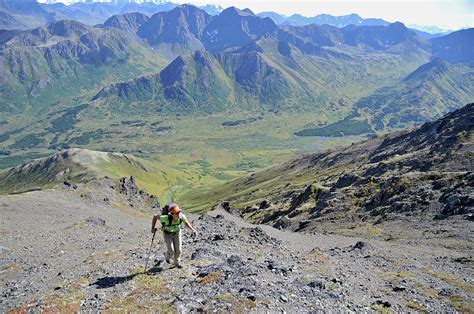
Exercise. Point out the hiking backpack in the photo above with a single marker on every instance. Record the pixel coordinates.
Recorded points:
(166, 209)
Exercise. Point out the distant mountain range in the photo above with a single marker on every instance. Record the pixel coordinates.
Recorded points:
(242, 58)
(219, 61)
(343, 21)
(66, 78)
(248, 59)
(23, 14)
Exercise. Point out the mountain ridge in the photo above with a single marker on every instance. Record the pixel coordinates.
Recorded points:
(409, 173)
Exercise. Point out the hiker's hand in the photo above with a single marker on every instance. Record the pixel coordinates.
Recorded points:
(153, 230)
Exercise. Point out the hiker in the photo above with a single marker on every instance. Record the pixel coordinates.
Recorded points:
(171, 219)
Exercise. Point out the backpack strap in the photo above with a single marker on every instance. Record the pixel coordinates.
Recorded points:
(170, 220)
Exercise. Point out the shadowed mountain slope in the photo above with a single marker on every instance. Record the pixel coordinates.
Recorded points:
(235, 28)
(129, 22)
(456, 47)
(176, 31)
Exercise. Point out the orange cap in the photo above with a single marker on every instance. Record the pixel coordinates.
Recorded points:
(175, 210)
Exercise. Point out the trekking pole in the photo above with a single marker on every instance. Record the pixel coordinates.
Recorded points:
(149, 251)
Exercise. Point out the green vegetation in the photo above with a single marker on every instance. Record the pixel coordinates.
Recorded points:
(426, 94)
(67, 121)
(11, 161)
(340, 128)
(197, 153)
(215, 122)
(237, 122)
(28, 141)
(88, 137)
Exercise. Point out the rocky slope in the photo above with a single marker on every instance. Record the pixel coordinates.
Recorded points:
(415, 176)
(191, 28)
(129, 22)
(79, 250)
(176, 31)
(381, 225)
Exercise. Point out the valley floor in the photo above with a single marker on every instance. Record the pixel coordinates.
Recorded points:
(65, 250)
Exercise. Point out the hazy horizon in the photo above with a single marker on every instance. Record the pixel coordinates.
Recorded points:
(441, 13)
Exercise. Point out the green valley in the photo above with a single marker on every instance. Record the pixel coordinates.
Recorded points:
(213, 108)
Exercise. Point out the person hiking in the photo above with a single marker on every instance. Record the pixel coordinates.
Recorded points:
(171, 219)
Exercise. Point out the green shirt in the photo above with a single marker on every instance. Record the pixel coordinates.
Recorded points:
(174, 226)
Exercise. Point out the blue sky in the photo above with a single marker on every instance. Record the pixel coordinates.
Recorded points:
(447, 14)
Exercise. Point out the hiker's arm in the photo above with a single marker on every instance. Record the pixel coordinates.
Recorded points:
(189, 226)
(153, 223)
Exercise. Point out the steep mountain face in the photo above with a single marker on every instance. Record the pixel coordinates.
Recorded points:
(6, 35)
(176, 31)
(456, 47)
(436, 88)
(320, 35)
(203, 83)
(129, 22)
(212, 9)
(234, 28)
(370, 37)
(424, 173)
